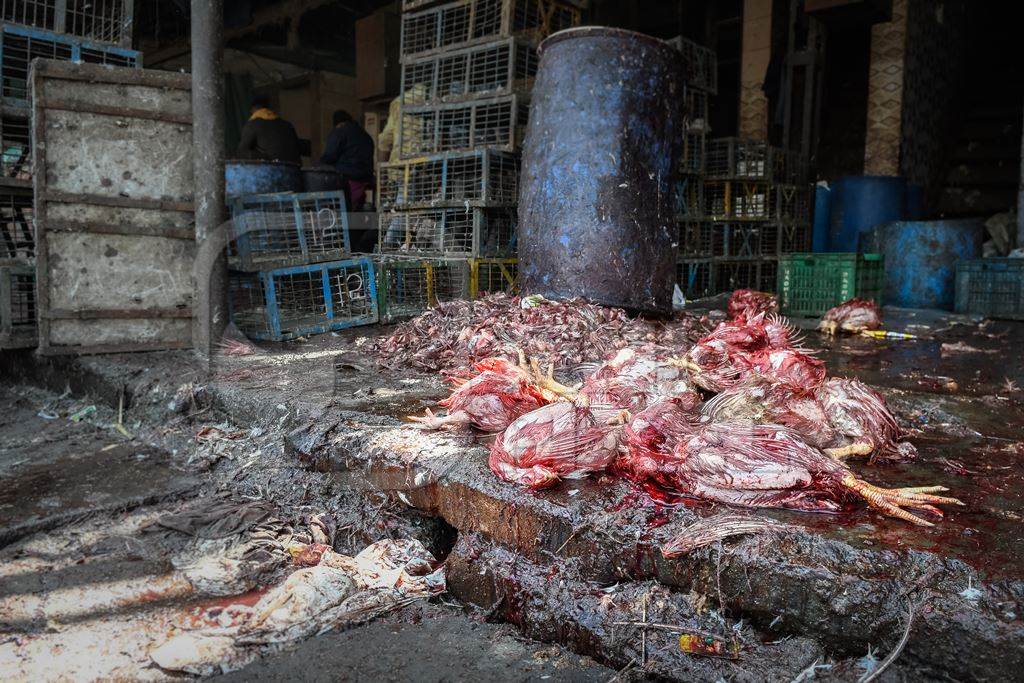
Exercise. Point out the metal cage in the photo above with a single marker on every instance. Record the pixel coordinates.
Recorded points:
(739, 200)
(465, 22)
(18, 327)
(744, 240)
(276, 230)
(101, 21)
(495, 123)
(481, 178)
(19, 45)
(407, 287)
(453, 231)
(17, 231)
(503, 67)
(693, 153)
(694, 239)
(492, 275)
(287, 303)
(694, 278)
(16, 145)
(700, 64)
(688, 197)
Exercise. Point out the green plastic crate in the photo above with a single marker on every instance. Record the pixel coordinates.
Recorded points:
(810, 284)
(993, 287)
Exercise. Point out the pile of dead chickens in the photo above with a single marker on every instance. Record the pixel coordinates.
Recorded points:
(744, 417)
(456, 334)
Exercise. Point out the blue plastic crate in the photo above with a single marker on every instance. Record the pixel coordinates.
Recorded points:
(287, 303)
(289, 228)
(993, 287)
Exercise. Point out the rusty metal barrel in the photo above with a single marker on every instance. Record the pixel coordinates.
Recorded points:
(595, 200)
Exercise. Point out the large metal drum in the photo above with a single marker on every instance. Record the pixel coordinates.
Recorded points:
(595, 200)
(321, 179)
(250, 176)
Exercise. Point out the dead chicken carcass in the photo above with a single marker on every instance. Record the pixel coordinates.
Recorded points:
(855, 316)
(748, 303)
(632, 380)
(771, 466)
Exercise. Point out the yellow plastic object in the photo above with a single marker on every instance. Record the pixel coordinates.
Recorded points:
(886, 334)
(709, 646)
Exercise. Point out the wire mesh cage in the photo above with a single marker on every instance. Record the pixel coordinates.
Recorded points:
(409, 5)
(407, 287)
(688, 197)
(103, 21)
(793, 203)
(20, 45)
(275, 230)
(693, 153)
(287, 303)
(498, 123)
(993, 287)
(17, 304)
(733, 275)
(480, 178)
(504, 67)
(744, 240)
(794, 238)
(492, 275)
(18, 235)
(739, 200)
(735, 158)
(700, 64)
(694, 278)
(15, 145)
(697, 111)
(694, 238)
(457, 24)
(453, 231)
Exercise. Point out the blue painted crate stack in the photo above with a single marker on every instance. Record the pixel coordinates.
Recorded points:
(448, 195)
(291, 270)
(756, 206)
(76, 30)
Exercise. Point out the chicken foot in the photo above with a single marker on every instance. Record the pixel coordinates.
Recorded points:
(544, 380)
(892, 501)
(431, 421)
(860, 448)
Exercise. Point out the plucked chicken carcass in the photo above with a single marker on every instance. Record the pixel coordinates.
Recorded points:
(653, 434)
(855, 315)
(748, 303)
(630, 381)
(490, 401)
(843, 417)
(738, 351)
(771, 466)
(563, 440)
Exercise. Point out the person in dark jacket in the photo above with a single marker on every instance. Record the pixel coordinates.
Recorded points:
(349, 149)
(267, 136)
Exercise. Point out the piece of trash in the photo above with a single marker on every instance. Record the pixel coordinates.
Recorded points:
(709, 646)
(47, 414)
(531, 301)
(82, 414)
(971, 593)
(678, 298)
(887, 334)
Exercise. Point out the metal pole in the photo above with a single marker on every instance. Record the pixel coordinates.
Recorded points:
(208, 161)
(1020, 198)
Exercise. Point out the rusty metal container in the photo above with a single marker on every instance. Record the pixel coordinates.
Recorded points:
(321, 179)
(595, 202)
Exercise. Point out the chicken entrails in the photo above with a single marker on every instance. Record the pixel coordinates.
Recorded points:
(563, 440)
(771, 466)
(855, 316)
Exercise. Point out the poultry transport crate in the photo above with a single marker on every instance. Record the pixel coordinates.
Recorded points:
(19, 45)
(17, 304)
(16, 146)
(483, 178)
(287, 303)
(493, 275)
(694, 278)
(742, 240)
(407, 287)
(694, 238)
(688, 197)
(448, 231)
(496, 123)
(993, 287)
(740, 200)
(17, 238)
(466, 22)
(103, 21)
(286, 229)
(504, 67)
(700, 64)
(739, 159)
(692, 155)
(811, 284)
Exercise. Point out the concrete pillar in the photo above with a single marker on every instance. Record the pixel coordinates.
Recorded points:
(208, 161)
(885, 94)
(755, 55)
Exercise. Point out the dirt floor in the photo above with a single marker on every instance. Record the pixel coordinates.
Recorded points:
(539, 585)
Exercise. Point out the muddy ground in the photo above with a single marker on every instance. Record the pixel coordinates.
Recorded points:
(539, 584)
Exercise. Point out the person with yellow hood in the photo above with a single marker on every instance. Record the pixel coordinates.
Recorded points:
(267, 136)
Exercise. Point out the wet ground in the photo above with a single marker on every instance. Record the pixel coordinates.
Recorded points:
(836, 587)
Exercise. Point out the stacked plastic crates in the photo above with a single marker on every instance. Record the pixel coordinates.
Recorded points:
(700, 69)
(71, 30)
(291, 270)
(448, 207)
(757, 205)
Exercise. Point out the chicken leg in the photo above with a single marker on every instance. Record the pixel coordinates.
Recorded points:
(860, 448)
(892, 501)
